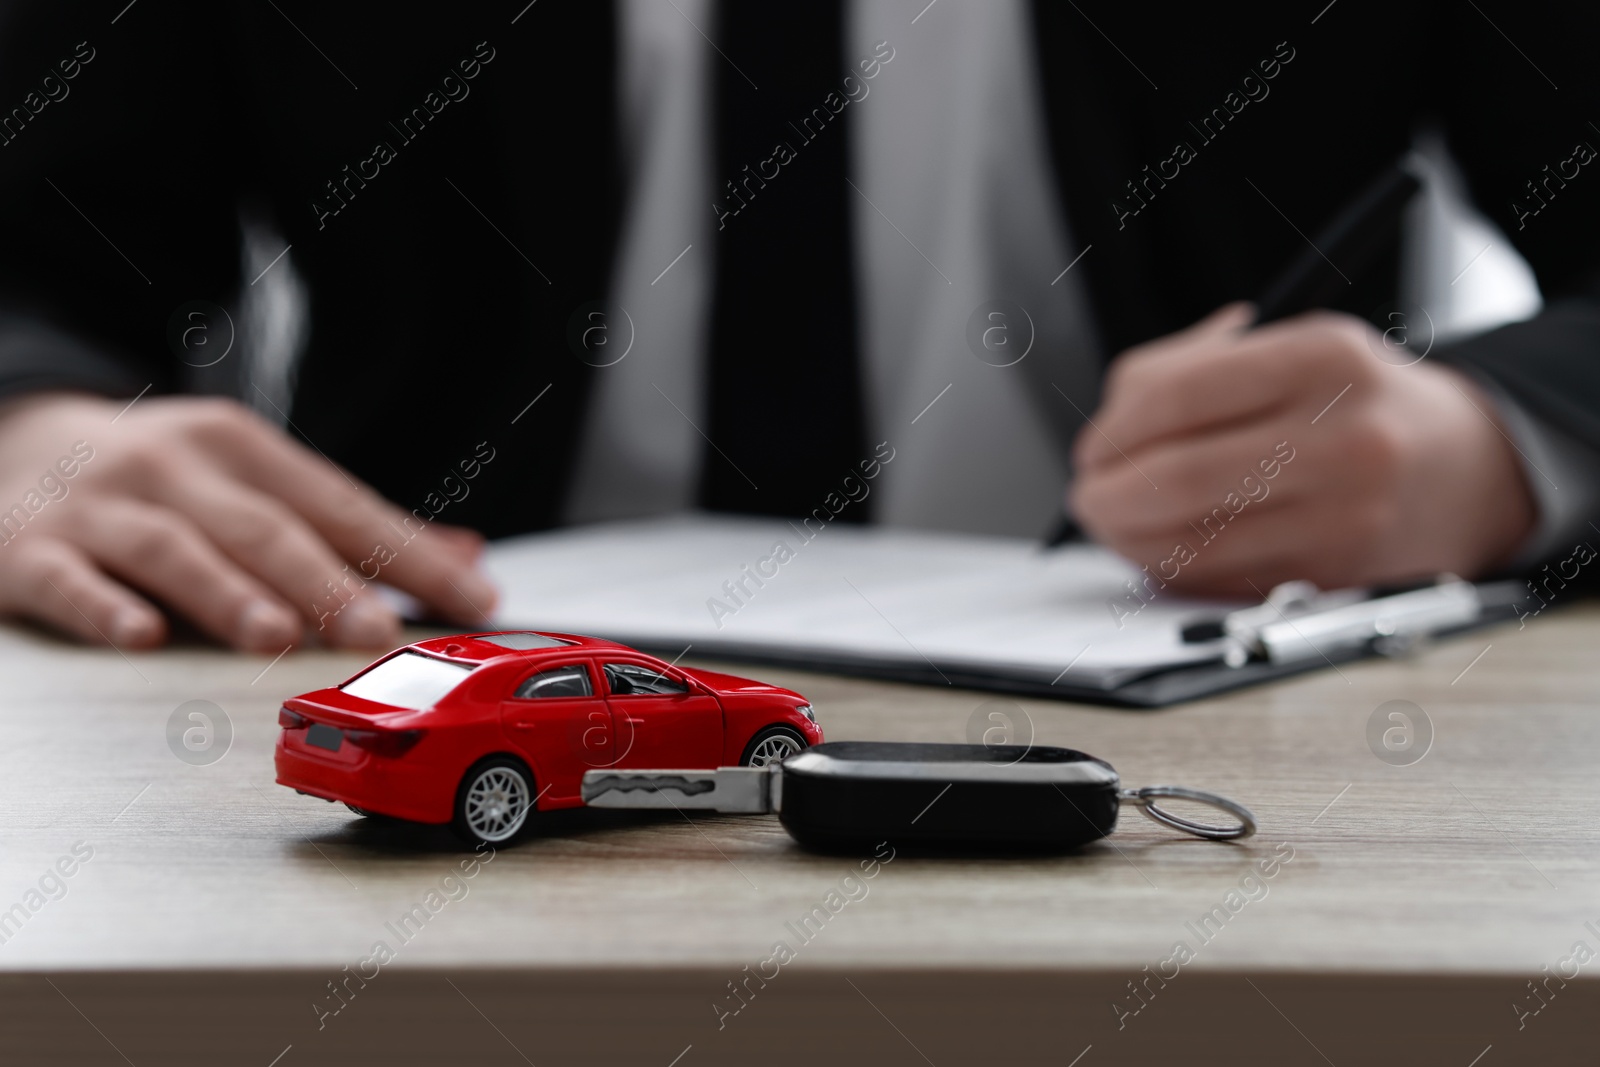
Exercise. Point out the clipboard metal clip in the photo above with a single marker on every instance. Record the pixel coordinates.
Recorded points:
(1299, 622)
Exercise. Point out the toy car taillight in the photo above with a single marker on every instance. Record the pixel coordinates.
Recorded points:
(290, 720)
(389, 743)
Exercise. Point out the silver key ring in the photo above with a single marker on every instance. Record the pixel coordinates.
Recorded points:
(1145, 799)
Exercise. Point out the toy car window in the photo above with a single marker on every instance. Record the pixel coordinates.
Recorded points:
(630, 679)
(521, 642)
(409, 680)
(569, 681)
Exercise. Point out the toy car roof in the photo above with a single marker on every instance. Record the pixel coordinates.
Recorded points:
(525, 644)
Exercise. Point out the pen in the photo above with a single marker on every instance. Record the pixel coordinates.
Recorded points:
(1354, 238)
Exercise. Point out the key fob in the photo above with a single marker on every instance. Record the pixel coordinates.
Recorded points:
(852, 796)
(848, 796)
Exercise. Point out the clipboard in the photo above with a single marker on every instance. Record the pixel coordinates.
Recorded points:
(1341, 627)
(952, 610)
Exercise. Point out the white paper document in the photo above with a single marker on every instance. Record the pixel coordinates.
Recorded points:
(972, 610)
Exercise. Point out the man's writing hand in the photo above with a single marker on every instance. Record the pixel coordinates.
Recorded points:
(1395, 471)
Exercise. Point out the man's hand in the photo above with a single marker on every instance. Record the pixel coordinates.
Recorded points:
(1395, 472)
(199, 505)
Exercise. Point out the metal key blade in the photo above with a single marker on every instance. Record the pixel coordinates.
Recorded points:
(743, 790)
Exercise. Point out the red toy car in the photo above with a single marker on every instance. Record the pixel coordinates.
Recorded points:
(481, 729)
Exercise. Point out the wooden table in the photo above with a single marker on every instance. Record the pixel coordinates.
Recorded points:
(218, 909)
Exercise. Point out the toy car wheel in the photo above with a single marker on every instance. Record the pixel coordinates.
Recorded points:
(494, 800)
(772, 745)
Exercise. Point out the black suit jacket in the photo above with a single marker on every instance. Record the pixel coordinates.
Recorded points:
(450, 181)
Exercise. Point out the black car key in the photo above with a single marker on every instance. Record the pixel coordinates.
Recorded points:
(851, 795)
